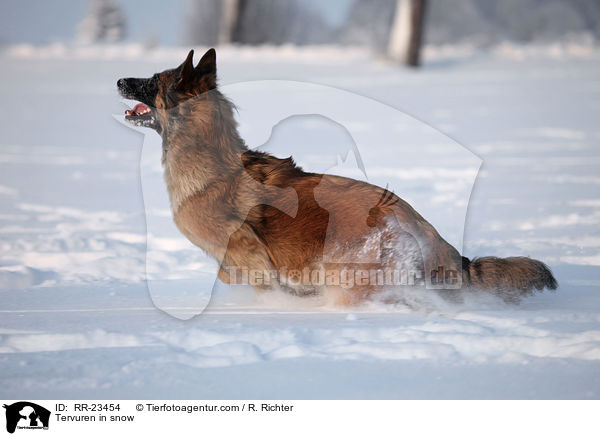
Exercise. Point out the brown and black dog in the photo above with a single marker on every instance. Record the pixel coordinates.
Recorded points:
(260, 214)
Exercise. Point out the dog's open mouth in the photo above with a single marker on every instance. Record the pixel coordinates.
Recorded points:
(141, 115)
(139, 110)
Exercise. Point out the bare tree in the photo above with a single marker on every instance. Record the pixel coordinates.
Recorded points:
(255, 22)
(104, 22)
(406, 33)
(231, 11)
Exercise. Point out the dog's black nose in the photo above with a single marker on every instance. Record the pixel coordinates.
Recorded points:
(120, 83)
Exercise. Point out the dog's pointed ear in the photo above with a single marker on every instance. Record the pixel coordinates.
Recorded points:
(188, 65)
(208, 63)
(186, 72)
(200, 79)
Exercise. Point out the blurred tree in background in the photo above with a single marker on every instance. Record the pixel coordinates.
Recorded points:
(406, 33)
(104, 22)
(255, 22)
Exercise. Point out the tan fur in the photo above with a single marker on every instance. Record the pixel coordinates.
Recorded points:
(251, 210)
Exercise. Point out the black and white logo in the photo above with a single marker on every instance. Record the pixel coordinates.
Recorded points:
(26, 415)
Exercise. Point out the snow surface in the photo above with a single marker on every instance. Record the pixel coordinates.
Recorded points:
(76, 318)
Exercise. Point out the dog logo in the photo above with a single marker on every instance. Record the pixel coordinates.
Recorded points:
(26, 415)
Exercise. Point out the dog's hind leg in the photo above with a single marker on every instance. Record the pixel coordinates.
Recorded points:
(437, 254)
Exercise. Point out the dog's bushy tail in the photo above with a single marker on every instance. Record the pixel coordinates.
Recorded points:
(510, 278)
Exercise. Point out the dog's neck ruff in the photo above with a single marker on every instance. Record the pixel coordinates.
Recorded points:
(201, 145)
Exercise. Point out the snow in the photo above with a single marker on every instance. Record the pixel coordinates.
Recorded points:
(77, 319)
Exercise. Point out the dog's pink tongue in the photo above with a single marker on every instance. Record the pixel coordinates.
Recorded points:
(139, 108)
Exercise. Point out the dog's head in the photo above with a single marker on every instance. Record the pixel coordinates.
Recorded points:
(161, 94)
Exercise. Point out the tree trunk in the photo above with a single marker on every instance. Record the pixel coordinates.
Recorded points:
(236, 29)
(406, 33)
(230, 10)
